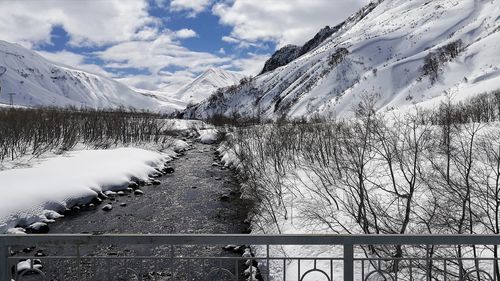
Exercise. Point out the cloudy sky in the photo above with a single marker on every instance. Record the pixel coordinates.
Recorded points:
(162, 44)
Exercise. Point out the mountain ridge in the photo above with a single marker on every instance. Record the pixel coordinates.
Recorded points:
(205, 84)
(383, 50)
(36, 81)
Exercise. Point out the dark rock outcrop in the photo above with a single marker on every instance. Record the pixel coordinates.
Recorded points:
(290, 53)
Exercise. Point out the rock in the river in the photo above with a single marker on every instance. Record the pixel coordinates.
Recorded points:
(96, 201)
(102, 196)
(121, 193)
(107, 207)
(156, 175)
(156, 182)
(168, 170)
(40, 253)
(229, 247)
(16, 230)
(38, 227)
(215, 164)
(133, 185)
(138, 192)
(27, 250)
(26, 265)
(224, 197)
(123, 204)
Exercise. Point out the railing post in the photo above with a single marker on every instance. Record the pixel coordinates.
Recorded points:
(4, 261)
(348, 262)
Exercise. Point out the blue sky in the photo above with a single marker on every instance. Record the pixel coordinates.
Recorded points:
(163, 44)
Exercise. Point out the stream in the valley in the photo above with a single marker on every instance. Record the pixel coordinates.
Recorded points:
(199, 197)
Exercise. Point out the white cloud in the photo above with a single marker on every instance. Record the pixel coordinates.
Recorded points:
(166, 82)
(156, 56)
(87, 22)
(192, 6)
(282, 21)
(249, 66)
(185, 33)
(75, 61)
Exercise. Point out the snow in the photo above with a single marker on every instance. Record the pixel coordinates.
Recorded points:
(206, 84)
(39, 193)
(26, 265)
(37, 81)
(301, 186)
(387, 44)
(208, 136)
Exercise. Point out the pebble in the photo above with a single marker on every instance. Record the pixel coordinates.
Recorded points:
(107, 207)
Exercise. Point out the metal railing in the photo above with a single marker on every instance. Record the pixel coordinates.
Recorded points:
(351, 257)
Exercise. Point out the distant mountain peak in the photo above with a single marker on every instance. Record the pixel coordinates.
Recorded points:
(206, 84)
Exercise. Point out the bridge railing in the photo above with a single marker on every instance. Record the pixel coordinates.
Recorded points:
(178, 257)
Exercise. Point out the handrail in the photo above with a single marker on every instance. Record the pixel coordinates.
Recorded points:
(258, 239)
(346, 241)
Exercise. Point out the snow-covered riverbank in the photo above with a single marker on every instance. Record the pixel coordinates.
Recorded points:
(40, 193)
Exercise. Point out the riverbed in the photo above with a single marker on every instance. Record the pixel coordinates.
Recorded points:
(199, 197)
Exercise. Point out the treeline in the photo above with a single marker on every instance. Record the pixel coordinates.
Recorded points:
(434, 61)
(35, 131)
(435, 172)
(482, 108)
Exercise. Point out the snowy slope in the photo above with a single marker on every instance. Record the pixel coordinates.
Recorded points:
(206, 84)
(163, 99)
(380, 51)
(37, 81)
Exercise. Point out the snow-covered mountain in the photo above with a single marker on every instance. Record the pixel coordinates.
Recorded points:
(206, 84)
(36, 81)
(400, 52)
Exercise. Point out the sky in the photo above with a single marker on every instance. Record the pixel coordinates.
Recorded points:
(164, 44)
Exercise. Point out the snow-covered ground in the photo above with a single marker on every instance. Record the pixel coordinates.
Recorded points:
(305, 195)
(42, 192)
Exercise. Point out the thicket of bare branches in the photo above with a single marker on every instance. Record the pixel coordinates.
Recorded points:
(425, 172)
(35, 131)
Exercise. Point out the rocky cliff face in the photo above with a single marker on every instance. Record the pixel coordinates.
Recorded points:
(290, 53)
